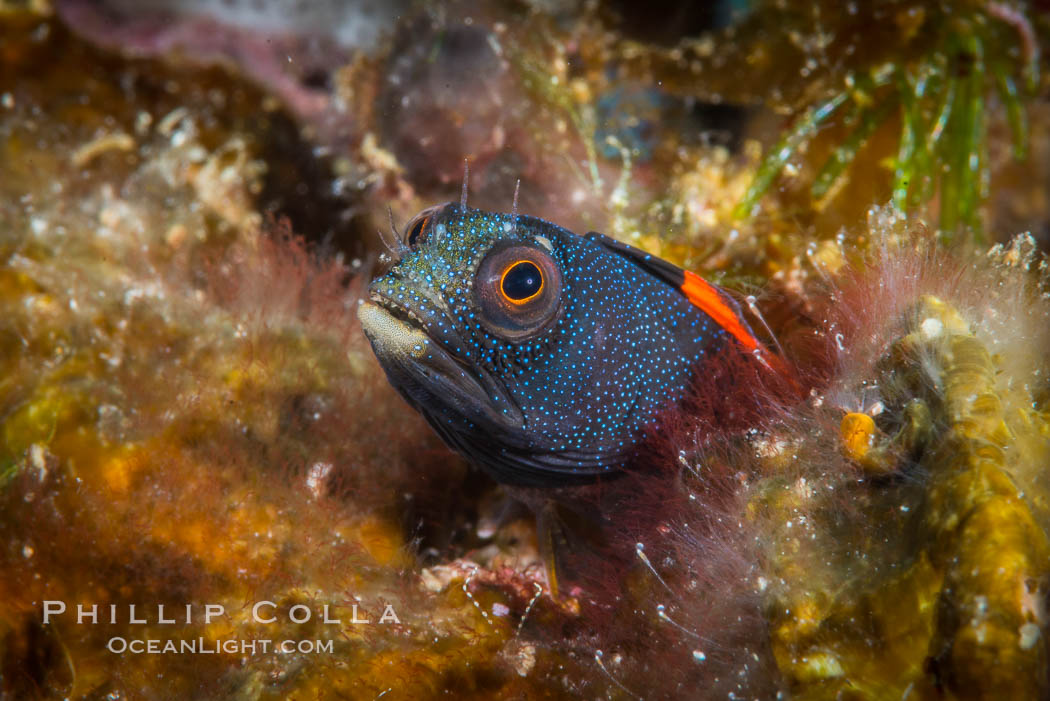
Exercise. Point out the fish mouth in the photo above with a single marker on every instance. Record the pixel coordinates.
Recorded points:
(402, 315)
(392, 329)
(428, 375)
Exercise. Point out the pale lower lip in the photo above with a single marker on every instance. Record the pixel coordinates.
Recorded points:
(390, 335)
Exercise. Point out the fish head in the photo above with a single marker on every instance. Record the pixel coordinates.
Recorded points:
(537, 353)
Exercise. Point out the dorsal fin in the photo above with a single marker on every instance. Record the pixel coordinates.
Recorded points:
(709, 298)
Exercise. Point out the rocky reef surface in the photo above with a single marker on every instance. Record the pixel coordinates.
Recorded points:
(198, 449)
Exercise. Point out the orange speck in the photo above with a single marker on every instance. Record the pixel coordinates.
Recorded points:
(119, 470)
(857, 433)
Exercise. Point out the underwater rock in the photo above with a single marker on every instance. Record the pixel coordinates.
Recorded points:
(191, 417)
(941, 554)
(189, 414)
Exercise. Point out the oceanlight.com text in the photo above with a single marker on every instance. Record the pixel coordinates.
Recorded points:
(201, 646)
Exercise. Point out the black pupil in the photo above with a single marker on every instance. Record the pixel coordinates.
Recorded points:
(522, 281)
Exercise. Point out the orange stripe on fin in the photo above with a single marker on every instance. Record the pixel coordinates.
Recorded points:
(710, 299)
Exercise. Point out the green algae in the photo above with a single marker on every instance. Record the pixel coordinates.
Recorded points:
(941, 99)
(925, 88)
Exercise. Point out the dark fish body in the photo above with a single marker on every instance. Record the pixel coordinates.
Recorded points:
(540, 355)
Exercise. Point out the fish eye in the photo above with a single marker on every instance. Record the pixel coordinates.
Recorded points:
(518, 291)
(416, 231)
(522, 280)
